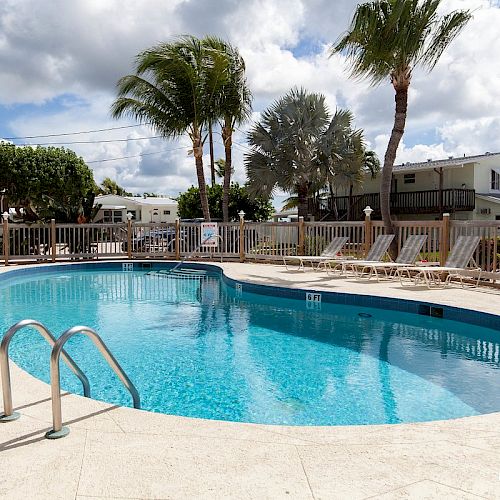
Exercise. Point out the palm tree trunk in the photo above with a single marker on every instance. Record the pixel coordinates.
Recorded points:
(227, 133)
(349, 217)
(302, 193)
(212, 160)
(334, 203)
(401, 99)
(198, 157)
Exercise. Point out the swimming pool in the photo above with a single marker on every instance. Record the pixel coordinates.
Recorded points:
(203, 348)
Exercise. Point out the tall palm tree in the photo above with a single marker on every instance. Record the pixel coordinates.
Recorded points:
(387, 39)
(285, 144)
(174, 89)
(232, 106)
(211, 150)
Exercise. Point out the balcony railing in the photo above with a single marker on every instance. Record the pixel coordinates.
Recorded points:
(413, 202)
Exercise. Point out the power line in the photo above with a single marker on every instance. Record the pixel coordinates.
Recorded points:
(91, 142)
(74, 133)
(238, 144)
(135, 156)
(243, 147)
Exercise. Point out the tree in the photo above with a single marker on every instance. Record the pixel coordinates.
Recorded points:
(342, 154)
(284, 146)
(256, 209)
(220, 168)
(109, 186)
(387, 39)
(232, 107)
(174, 90)
(47, 183)
(297, 148)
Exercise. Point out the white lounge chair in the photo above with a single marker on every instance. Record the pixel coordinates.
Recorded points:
(374, 256)
(456, 265)
(407, 256)
(330, 252)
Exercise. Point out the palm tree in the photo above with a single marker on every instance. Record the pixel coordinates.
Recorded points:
(220, 168)
(387, 39)
(174, 89)
(109, 186)
(285, 144)
(342, 151)
(232, 106)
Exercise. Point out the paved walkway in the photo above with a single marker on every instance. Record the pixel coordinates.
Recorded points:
(115, 452)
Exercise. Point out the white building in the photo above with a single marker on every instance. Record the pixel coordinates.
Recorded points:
(468, 187)
(114, 208)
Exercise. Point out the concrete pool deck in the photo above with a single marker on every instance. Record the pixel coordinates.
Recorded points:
(115, 452)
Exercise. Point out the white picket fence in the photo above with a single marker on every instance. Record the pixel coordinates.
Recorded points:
(236, 240)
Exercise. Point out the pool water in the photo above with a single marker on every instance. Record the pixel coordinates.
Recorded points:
(195, 347)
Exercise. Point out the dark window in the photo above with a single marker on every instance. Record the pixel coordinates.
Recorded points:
(409, 178)
(111, 216)
(495, 181)
(133, 213)
(497, 217)
(166, 212)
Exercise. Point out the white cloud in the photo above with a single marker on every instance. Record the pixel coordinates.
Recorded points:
(80, 48)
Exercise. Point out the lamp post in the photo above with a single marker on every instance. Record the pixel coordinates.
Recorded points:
(242, 235)
(6, 239)
(2, 193)
(368, 228)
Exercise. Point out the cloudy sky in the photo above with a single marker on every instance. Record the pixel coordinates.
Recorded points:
(60, 61)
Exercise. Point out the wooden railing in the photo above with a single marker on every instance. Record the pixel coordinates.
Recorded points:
(412, 202)
(237, 240)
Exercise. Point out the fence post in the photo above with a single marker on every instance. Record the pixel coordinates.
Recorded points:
(368, 231)
(129, 235)
(177, 239)
(6, 237)
(301, 248)
(242, 236)
(445, 239)
(53, 241)
(495, 248)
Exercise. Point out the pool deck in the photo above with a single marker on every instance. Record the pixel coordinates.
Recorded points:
(114, 452)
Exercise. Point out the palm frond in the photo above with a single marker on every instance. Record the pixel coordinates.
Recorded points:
(388, 37)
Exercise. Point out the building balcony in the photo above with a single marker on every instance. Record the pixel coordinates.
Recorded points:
(404, 203)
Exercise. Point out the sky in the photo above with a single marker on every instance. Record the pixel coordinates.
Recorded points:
(60, 61)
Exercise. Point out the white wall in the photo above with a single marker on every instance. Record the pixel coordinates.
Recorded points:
(482, 177)
(144, 212)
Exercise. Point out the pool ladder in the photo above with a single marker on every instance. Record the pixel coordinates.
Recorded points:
(57, 430)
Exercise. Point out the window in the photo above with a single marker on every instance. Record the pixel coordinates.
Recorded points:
(133, 213)
(166, 212)
(409, 178)
(111, 216)
(497, 217)
(495, 181)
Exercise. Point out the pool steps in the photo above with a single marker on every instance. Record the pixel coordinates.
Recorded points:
(181, 273)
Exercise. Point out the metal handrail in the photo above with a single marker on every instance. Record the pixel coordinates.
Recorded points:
(58, 430)
(9, 413)
(195, 250)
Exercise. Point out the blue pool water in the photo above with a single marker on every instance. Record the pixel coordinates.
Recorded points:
(197, 348)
